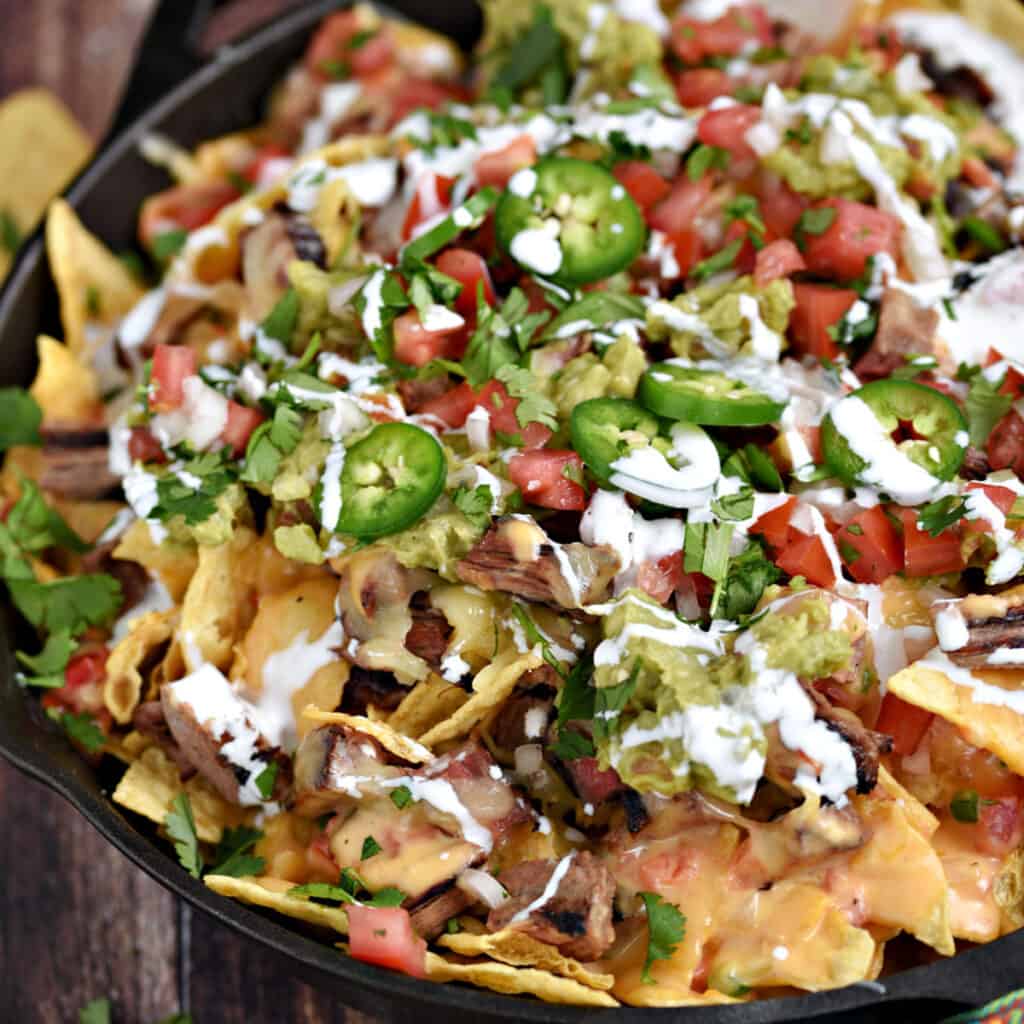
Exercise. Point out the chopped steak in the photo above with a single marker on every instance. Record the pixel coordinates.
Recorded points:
(993, 624)
(576, 916)
(904, 329)
(429, 633)
(430, 916)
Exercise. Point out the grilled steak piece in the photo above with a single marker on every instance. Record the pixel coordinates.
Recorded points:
(75, 462)
(904, 329)
(149, 720)
(429, 633)
(575, 916)
(994, 624)
(368, 688)
(429, 916)
(517, 556)
(416, 393)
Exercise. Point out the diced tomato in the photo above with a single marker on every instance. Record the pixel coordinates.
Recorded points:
(870, 546)
(727, 128)
(818, 307)
(805, 556)
(688, 248)
(744, 260)
(685, 42)
(1000, 825)
(171, 365)
(882, 40)
(242, 421)
(432, 195)
(1003, 499)
(497, 167)
(728, 35)
(697, 87)
(777, 259)
(453, 407)
(502, 408)
(549, 479)
(261, 160)
(856, 232)
(642, 182)
(374, 54)
(977, 173)
(333, 43)
(780, 206)
(184, 207)
(416, 346)
(926, 555)
(384, 936)
(1013, 381)
(677, 211)
(1005, 447)
(87, 667)
(774, 525)
(662, 578)
(421, 93)
(470, 270)
(144, 447)
(906, 723)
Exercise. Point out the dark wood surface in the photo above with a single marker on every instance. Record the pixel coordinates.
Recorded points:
(77, 920)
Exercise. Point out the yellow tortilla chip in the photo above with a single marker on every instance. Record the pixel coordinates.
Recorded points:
(517, 981)
(429, 702)
(994, 727)
(87, 274)
(521, 950)
(87, 518)
(394, 742)
(152, 782)
(491, 686)
(272, 893)
(65, 388)
(917, 815)
(44, 148)
(1009, 892)
(175, 564)
(122, 689)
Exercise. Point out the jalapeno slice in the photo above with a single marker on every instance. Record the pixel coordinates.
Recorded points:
(569, 220)
(605, 429)
(389, 480)
(709, 397)
(905, 420)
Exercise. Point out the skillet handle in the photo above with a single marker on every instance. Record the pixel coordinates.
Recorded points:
(173, 46)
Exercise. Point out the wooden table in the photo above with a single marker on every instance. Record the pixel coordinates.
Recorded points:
(77, 920)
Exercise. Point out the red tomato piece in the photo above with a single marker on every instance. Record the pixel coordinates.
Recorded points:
(330, 39)
(642, 182)
(777, 259)
(728, 35)
(432, 195)
(774, 525)
(184, 207)
(171, 365)
(818, 307)
(926, 555)
(805, 555)
(1000, 825)
(977, 173)
(470, 270)
(688, 247)
(662, 578)
(593, 784)
(384, 936)
(1005, 447)
(727, 128)
(416, 346)
(416, 93)
(549, 479)
(374, 54)
(856, 232)
(144, 447)
(781, 207)
(87, 667)
(876, 552)
(261, 159)
(906, 723)
(501, 406)
(1003, 499)
(453, 407)
(242, 421)
(677, 211)
(697, 87)
(746, 257)
(497, 167)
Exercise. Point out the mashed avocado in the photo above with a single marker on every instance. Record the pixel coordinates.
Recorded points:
(313, 286)
(617, 373)
(669, 704)
(299, 471)
(436, 542)
(725, 328)
(298, 542)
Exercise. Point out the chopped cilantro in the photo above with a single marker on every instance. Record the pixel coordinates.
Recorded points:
(536, 638)
(96, 1011)
(82, 728)
(21, 419)
(577, 699)
(177, 496)
(181, 827)
(280, 322)
(370, 848)
(266, 780)
(474, 504)
(964, 806)
(609, 702)
(49, 664)
(984, 406)
(815, 221)
(666, 926)
(721, 260)
(401, 797)
(749, 573)
(703, 159)
(271, 441)
(233, 857)
(533, 407)
(168, 244)
(71, 604)
(734, 507)
(501, 337)
(571, 745)
(941, 514)
(531, 53)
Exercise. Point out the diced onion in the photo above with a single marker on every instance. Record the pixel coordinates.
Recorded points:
(341, 295)
(529, 758)
(484, 887)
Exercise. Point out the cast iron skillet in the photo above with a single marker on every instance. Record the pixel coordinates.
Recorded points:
(225, 95)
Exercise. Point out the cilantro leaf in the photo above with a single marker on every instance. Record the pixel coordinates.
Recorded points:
(749, 573)
(474, 504)
(21, 418)
(984, 407)
(530, 53)
(389, 298)
(168, 244)
(35, 526)
(96, 1011)
(82, 728)
(721, 260)
(609, 702)
(321, 891)
(815, 221)
(501, 336)
(67, 605)
(181, 827)
(370, 848)
(666, 926)
(703, 159)
(389, 896)
(706, 549)
(281, 321)
(536, 638)
(533, 406)
(734, 507)
(571, 745)
(401, 797)
(177, 495)
(942, 514)
(596, 309)
(271, 441)
(266, 780)
(577, 699)
(232, 856)
(49, 664)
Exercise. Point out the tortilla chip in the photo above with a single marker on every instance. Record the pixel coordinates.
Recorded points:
(665, 994)
(918, 816)
(392, 741)
(152, 782)
(65, 388)
(1009, 892)
(491, 686)
(425, 53)
(429, 702)
(86, 272)
(991, 726)
(272, 893)
(44, 148)
(175, 564)
(517, 981)
(87, 518)
(122, 689)
(521, 950)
